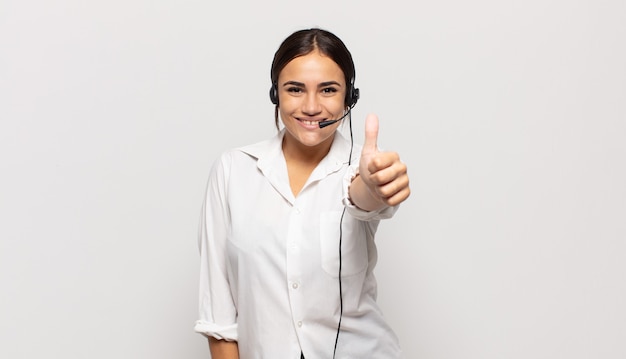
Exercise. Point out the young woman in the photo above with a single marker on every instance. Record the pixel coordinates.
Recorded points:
(287, 229)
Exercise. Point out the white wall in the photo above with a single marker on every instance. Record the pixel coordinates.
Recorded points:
(510, 115)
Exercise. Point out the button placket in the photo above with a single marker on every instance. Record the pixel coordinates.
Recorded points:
(294, 262)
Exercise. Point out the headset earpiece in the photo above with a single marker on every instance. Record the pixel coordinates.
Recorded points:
(352, 96)
(274, 94)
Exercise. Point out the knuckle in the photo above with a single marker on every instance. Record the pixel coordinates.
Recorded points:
(377, 177)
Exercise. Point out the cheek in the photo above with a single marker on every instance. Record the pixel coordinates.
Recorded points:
(336, 106)
(288, 105)
(339, 110)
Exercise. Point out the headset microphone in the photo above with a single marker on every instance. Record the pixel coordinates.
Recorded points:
(328, 123)
(323, 124)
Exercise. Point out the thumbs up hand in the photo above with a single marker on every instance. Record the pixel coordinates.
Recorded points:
(383, 179)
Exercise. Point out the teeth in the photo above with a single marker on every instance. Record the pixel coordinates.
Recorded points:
(310, 123)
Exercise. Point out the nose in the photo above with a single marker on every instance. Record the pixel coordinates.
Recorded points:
(311, 104)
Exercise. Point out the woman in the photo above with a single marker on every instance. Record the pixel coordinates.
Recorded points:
(287, 228)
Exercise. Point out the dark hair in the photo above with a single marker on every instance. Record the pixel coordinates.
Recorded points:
(303, 42)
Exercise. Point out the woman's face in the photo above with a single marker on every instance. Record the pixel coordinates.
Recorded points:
(311, 88)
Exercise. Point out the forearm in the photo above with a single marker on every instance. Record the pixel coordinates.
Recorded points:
(221, 349)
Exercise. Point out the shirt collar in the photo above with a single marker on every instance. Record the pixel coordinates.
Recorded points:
(267, 151)
(271, 162)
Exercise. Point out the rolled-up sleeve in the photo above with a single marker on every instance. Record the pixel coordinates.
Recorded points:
(217, 310)
(356, 212)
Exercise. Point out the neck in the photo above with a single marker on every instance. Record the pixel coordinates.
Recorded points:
(296, 151)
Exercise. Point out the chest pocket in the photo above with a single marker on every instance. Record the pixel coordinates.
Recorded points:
(354, 256)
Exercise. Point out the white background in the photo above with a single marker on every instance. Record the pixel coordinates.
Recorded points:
(511, 116)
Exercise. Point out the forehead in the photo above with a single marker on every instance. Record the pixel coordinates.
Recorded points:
(312, 67)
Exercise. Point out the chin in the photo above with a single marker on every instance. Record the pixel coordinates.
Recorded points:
(312, 139)
(322, 139)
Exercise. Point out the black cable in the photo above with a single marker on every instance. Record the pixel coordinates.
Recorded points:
(340, 240)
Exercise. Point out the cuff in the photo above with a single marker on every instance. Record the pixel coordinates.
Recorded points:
(221, 332)
(356, 212)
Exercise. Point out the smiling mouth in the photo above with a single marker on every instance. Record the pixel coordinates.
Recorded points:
(309, 123)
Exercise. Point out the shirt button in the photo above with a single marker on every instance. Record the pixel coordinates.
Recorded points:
(299, 324)
(294, 286)
(297, 210)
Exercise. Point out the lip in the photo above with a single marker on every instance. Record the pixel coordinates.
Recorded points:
(309, 124)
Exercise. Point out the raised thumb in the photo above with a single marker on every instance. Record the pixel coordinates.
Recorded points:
(371, 133)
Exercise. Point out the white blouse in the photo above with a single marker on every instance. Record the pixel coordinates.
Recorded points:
(270, 261)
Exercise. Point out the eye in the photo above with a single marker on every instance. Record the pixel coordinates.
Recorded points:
(294, 90)
(329, 90)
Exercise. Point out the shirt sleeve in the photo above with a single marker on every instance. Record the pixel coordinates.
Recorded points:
(356, 212)
(217, 310)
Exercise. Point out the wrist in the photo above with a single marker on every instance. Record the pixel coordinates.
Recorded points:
(362, 196)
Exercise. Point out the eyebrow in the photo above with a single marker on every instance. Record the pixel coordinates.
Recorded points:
(322, 84)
